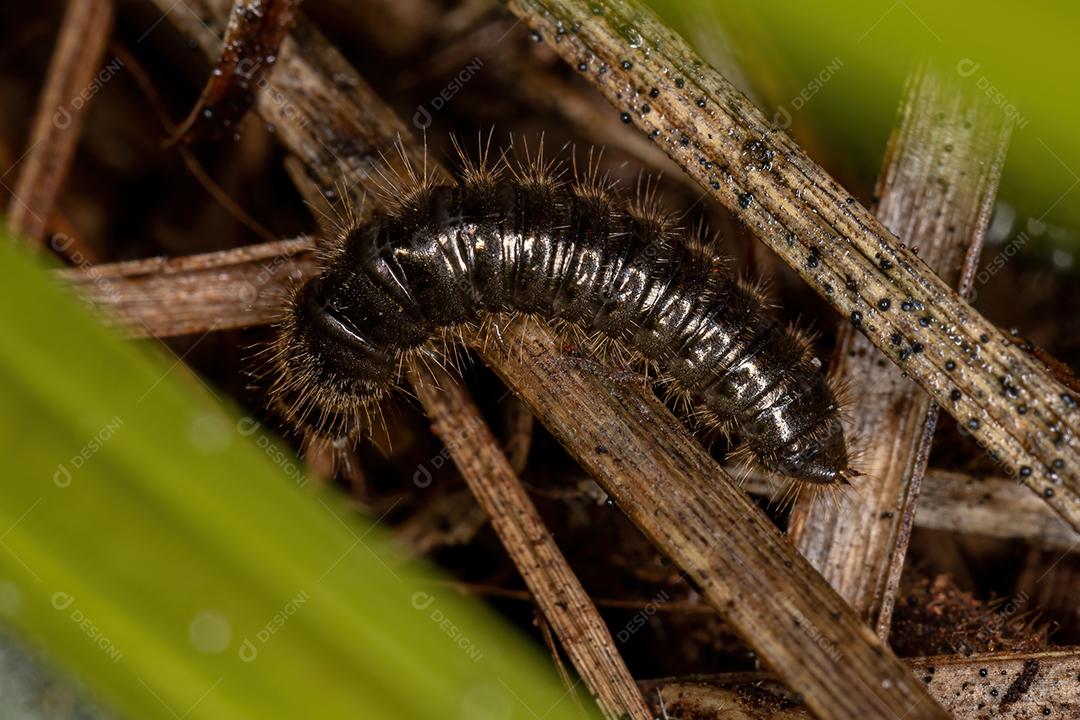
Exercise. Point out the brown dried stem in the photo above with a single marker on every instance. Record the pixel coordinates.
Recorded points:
(71, 82)
(1015, 685)
(936, 190)
(558, 592)
(252, 42)
(198, 293)
(992, 506)
(1010, 403)
(652, 604)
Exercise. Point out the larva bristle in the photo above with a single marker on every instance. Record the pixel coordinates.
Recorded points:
(794, 491)
(617, 279)
(787, 491)
(570, 335)
(478, 171)
(534, 171)
(709, 426)
(805, 331)
(400, 186)
(808, 340)
(840, 385)
(685, 405)
(742, 459)
(341, 217)
(592, 184)
(705, 247)
(647, 208)
(757, 290)
(653, 228)
(327, 459)
(858, 448)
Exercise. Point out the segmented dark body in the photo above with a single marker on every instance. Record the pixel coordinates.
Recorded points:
(455, 255)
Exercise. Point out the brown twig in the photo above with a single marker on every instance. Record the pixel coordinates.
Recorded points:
(1010, 403)
(558, 592)
(667, 606)
(520, 423)
(560, 666)
(1015, 685)
(252, 42)
(73, 79)
(227, 289)
(936, 190)
(992, 507)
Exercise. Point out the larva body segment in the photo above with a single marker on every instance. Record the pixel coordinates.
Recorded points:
(453, 255)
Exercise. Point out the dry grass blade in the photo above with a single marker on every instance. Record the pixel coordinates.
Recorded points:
(252, 41)
(1029, 685)
(992, 507)
(76, 63)
(937, 191)
(1010, 403)
(198, 293)
(558, 592)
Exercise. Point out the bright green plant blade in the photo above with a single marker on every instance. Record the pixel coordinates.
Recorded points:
(166, 552)
(838, 66)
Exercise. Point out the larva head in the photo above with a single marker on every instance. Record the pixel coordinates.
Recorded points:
(327, 372)
(820, 457)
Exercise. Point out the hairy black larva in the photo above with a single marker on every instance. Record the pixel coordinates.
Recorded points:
(518, 239)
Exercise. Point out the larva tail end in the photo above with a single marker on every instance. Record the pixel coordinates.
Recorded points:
(825, 455)
(795, 490)
(847, 475)
(819, 456)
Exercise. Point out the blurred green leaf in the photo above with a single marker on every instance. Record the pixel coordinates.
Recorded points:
(166, 552)
(838, 67)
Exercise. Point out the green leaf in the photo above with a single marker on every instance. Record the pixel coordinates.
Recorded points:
(169, 553)
(835, 69)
